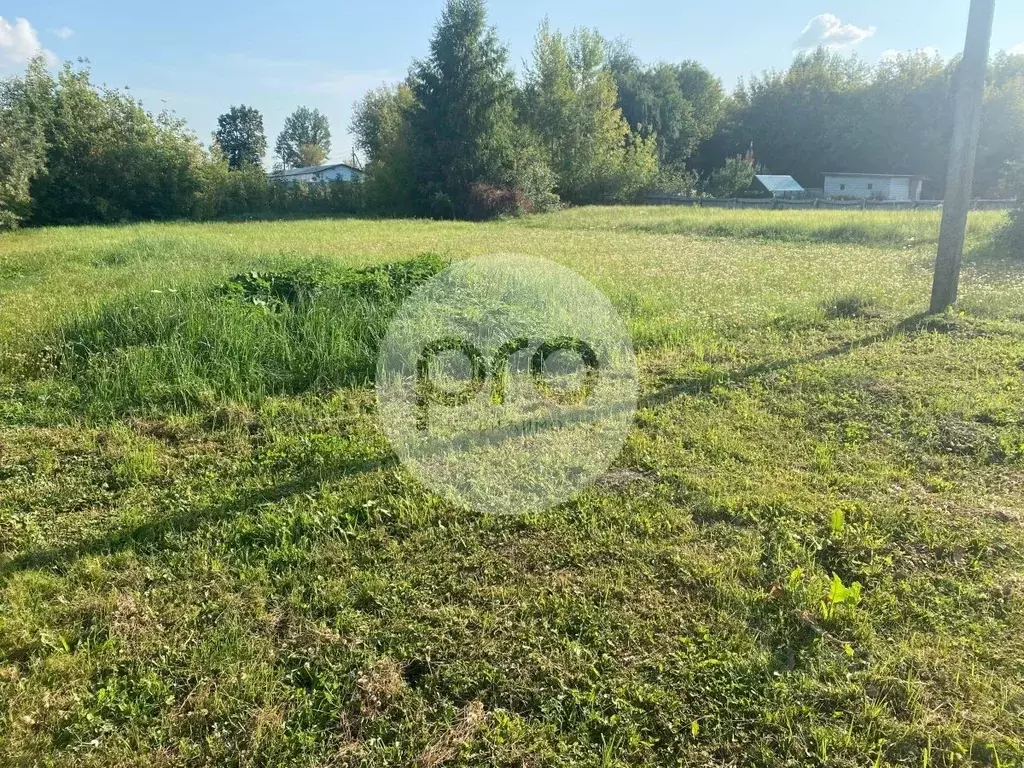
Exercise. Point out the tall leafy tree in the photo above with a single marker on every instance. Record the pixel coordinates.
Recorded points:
(909, 99)
(462, 122)
(569, 101)
(26, 105)
(305, 139)
(240, 136)
(831, 113)
(802, 121)
(380, 126)
(310, 154)
(379, 117)
(680, 105)
(1001, 149)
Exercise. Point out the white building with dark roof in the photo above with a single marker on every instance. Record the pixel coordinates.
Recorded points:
(318, 173)
(874, 186)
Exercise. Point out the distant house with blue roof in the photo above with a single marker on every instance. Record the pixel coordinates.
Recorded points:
(778, 186)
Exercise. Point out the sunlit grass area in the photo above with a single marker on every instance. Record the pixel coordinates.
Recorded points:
(825, 226)
(809, 551)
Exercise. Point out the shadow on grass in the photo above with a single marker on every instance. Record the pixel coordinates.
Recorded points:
(995, 259)
(151, 534)
(704, 384)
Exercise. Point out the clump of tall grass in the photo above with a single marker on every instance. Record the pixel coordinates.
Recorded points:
(1011, 237)
(851, 306)
(254, 336)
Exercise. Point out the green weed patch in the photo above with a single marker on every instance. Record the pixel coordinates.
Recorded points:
(254, 336)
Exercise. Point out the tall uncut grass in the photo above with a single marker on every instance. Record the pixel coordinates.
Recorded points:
(253, 337)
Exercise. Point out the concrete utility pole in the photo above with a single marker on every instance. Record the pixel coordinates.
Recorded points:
(963, 153)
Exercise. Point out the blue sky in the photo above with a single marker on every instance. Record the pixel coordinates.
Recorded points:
(198, 58)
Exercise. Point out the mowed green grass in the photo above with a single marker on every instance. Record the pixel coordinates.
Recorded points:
(223, 563)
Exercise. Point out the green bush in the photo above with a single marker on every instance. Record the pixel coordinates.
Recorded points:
(1010, 238)
(1013, 234)
(231, 194)
(675, 181)
(321, 198)
(72, 152)
(257, 335)
(383, 283)
(531, 176)
(248, 192)
(735, 176)
(108, 160)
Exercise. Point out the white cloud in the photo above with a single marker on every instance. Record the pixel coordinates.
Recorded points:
(828, 30)
(63, 32)
(1017, 50)
(929, 50)
(19, 42)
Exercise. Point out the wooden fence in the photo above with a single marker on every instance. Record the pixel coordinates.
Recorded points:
(780, 204)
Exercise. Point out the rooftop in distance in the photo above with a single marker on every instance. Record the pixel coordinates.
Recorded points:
(317, 173)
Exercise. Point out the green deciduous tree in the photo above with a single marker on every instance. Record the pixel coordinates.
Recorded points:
(569, 100)
(380, 127)
(240, 136)
(379, 117)
(25, 107)
(1001, 146)
(828, 112)
(680, 105)
(732, 178)
(310, 154)
(801, 121)
(909, 102)
(306, 137)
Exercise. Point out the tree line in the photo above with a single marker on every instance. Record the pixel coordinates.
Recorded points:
(590, 122)
(833, 113)
(587, 121)
(72, 152)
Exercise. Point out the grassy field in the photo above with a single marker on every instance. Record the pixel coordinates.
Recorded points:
(810, 551)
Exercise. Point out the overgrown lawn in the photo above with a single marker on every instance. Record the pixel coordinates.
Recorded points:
(809, 552)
